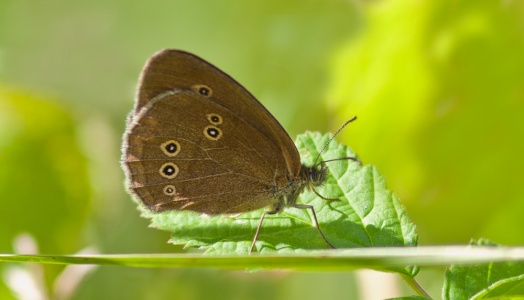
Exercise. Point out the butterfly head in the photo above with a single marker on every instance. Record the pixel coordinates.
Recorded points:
(316, 175)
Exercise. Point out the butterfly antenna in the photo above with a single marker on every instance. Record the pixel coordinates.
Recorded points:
(334, 135)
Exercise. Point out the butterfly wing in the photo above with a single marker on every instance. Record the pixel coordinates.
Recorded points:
(198, 140)
(170, 69)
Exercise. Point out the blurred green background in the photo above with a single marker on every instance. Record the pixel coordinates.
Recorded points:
(438, 87)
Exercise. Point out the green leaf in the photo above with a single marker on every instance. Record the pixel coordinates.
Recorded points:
(366, 214)
(485, 281)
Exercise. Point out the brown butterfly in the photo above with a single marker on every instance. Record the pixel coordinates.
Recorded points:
(197, 140)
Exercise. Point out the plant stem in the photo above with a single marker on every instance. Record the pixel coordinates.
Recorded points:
(415, 286)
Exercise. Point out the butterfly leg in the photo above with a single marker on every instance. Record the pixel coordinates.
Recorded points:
(304, 206)
(269, 212)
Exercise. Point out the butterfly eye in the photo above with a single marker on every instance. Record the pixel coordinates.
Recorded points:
(317, 175)
(203, 90)
(314, 175)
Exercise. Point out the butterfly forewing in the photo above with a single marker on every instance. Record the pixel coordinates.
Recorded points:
(169, 69)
